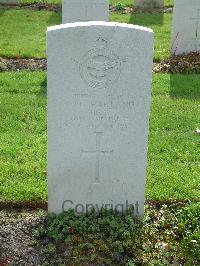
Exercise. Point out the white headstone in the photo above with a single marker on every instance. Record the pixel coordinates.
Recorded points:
(85, 10)
(186, 27)
(99, 87)
(149, 3)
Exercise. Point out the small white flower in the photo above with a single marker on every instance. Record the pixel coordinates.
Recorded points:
(197, 131)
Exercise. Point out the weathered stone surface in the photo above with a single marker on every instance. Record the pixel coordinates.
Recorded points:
(186, 27)
(149, 3)
(85, 10)
(98, 115)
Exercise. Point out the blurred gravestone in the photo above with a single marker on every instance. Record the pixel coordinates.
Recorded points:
(186, 27)
(85, 10)
(149, 4)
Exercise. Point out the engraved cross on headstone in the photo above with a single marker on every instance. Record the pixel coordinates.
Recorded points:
(197, 38)
(98, 152)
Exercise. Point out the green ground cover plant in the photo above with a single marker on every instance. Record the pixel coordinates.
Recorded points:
(165, 236)
(173, 169)
(24, 31)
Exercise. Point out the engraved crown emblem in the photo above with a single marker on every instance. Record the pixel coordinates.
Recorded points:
(100, 66)
(101, 43)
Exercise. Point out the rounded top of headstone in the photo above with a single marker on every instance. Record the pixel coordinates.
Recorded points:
(100, 24)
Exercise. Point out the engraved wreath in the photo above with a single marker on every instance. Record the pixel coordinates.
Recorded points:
(100, 67)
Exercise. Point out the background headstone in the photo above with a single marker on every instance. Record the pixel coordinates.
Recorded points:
(98, 114)
(149, 3)
(186, 27)
(85, 10)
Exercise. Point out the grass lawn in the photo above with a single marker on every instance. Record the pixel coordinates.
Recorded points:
(23, 31)
(173, 169)
(22, 136)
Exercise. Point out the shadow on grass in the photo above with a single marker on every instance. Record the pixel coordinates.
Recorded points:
(54, 19)
(147, 19)
(185, 86)
(43, 88)
(2, 11)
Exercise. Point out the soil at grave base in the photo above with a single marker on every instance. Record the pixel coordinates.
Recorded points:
(118, 8)
(17, 64)
(189, 63)
(18, 244)
(129, 10)
(30, 205)
(35, 6)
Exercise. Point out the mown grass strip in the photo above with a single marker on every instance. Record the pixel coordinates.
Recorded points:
(173, 158)
(23, 32)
